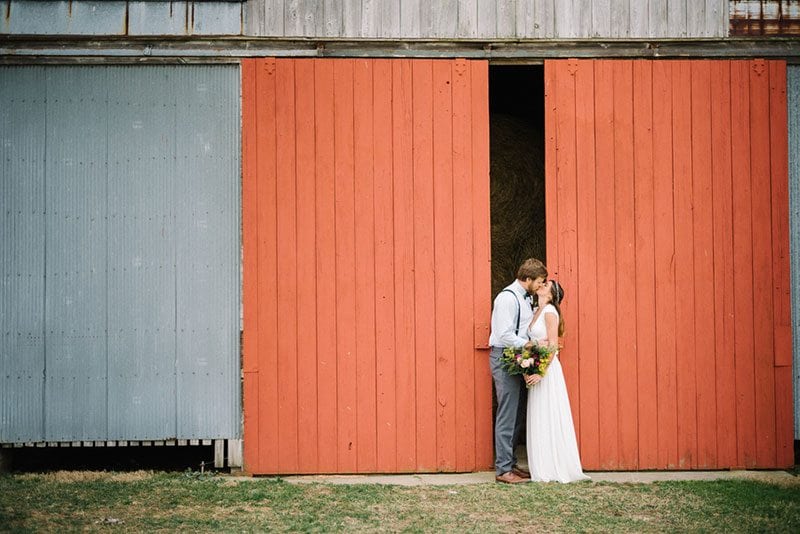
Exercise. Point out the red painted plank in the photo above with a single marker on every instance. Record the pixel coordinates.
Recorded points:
(564, 219)
(327, 407)
(386, 398)
(644, 203)
(664, 250)
(287, 266)
(684, 259)
(784, 416)
(365, 268)
(762, 264)
(743, 252)
(703, 231)
(404, 265)
(723, 263)
(424, 268)
(552, 71)
(343, 111)
(464, 314)
(482, 258)
(606, 266)
(625, 263)
(306, 267)
(779, 157)
(586, 292)
(444, 292)
(267, 288)
(250, 275)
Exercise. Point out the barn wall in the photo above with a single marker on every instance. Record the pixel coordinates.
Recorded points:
(366, 266)
(487, 19)
(668, 226)
(793, 96)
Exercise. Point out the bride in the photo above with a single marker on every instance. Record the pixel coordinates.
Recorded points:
(552, 447)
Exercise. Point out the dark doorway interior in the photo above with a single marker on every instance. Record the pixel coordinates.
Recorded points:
(516, 114)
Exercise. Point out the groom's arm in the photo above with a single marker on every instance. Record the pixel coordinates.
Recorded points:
(504, 321)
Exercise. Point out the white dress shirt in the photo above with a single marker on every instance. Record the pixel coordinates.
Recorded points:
(504, 317)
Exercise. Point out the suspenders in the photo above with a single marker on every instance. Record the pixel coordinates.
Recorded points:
(519, 309)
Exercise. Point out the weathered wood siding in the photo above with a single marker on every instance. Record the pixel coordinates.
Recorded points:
(366, 265)
(668, 216)
(487, 19)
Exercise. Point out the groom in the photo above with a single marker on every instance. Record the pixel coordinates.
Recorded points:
(511, 315)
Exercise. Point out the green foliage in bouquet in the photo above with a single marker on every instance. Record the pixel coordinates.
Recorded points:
(532, 361)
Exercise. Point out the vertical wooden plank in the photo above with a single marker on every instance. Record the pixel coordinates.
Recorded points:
(676, 18)
(250, 259)
(657, 12)
(327, 408)
(384, 269)
(639, 19)
(606, 264)
(481, 246)
(465, 408)
(664, 253)
(424, 288)
(467, 18)
(410, 18)
(566, 24)
(564, 218)
(345, 265)
(351, 18)
(620, 18)
(307, 314)
(523, 19)
(586, 292)
(404, 265)
(390, 19)
(723, 262)
(625, 263)
(286, 228)
(274, 18)
(364, 268)
(762, 263)
(779, 178)
(715, 20)
(696, 18)
(703, 231)
(743, 278)
(506, 18)
(601, 18)
(371, 18)
(583, 11)
(444, 273)
(644, 206)
(551, 73)
(684, 259)
(332, 15)
(440, 19)
(267, 245)
(487, 18)
(545, 18)
(779, 171)
(254, 22)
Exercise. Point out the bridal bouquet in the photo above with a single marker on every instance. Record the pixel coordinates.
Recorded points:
(532, 361)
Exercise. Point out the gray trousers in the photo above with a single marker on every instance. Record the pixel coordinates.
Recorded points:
(509, 416)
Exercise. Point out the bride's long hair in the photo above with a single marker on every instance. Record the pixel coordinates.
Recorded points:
(556, 296)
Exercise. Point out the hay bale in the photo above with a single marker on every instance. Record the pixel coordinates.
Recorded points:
(517, 196)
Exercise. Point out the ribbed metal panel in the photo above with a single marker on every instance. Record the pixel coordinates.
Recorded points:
(22, 232)
(793, 101)
(133, 273)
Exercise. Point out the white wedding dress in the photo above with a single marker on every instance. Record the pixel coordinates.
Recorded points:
(552, 447)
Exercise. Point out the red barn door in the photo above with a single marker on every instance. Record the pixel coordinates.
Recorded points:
(366, 265)
(667, 206)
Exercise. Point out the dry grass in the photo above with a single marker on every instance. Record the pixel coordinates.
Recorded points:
(146, 501)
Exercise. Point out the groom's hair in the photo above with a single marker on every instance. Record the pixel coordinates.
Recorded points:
(532, 268)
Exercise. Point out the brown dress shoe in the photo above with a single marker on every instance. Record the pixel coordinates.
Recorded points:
(521, 472)
(510, 478)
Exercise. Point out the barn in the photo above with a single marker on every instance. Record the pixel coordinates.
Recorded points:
(277, 226)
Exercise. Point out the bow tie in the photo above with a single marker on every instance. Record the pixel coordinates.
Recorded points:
(528, 297)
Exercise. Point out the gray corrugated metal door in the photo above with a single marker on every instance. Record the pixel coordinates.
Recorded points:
(793, 102)
(120, 206)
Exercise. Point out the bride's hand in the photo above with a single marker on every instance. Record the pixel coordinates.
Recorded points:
(532, 380)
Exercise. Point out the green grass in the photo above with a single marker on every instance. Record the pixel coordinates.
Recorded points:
(144, 501)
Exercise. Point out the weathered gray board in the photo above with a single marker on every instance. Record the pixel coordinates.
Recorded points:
(119, 253)
(793, 101)
(390, 19)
